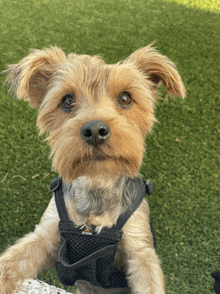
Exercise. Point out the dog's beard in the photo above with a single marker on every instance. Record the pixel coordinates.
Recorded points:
(94, 167)
(121, 154)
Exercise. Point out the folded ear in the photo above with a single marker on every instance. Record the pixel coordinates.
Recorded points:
(29, 78)
(158, 68)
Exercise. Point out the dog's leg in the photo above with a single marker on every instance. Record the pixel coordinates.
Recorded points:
(32, 253)
(145, 275)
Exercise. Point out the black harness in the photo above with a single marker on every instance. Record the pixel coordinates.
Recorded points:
(87, 255)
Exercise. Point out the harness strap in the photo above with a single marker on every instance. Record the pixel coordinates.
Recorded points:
(56, 187)
(135, 204)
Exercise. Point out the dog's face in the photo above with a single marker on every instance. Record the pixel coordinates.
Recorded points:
(97, 115)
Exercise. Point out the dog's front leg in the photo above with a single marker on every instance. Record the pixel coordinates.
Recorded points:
(32, 253)
(144, 273)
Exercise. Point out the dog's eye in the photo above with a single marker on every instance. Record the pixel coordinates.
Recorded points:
(67, 103)
(124, 99)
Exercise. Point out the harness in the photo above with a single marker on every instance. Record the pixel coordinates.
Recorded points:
(87, 255)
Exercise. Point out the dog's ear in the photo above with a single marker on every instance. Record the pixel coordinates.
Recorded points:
(29, 78)
(158, 68)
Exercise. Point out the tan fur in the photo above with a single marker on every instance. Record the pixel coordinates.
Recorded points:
(43, 78)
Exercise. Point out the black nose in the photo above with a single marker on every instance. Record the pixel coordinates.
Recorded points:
(95, 132)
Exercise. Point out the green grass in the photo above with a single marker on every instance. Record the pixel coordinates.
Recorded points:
(208, 5)
(185, 204)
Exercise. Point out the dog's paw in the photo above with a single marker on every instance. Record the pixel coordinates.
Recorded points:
(8, 283)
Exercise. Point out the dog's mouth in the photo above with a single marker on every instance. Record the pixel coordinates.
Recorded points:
(100, 158)
(87, 159)
(95, 165)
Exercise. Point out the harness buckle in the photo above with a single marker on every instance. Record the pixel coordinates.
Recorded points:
(86, 231)
(56, 184)
(149, 187)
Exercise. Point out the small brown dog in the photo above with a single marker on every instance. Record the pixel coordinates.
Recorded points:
(97, 116)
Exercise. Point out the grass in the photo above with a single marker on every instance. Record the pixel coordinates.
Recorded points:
(208, 5)
(182, 156)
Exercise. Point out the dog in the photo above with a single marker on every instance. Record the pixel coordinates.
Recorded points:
(96, 116)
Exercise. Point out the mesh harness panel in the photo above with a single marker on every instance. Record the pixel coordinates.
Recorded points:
(87, 255)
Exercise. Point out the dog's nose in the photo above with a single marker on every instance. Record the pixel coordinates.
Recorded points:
(95, 132)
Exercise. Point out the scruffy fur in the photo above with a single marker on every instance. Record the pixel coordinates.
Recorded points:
(122, 96)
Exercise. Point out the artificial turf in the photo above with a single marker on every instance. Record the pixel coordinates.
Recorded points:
(182, 154)
(208, 5)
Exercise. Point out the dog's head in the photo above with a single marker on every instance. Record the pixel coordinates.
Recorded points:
(97, 115)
